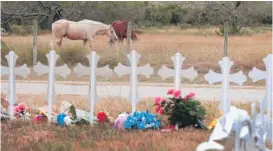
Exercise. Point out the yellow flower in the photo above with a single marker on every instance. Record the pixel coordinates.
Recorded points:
(212, 124)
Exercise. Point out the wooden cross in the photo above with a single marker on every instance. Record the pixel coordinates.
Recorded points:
(213, 77)
(41, 69)
(133, 71)
(256, 75)
(177, 72)
(93, 71)
(12, 71)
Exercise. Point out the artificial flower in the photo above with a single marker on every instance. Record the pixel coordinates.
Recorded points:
(170, 91)
(102, 117)
(189, 96)
(67, 120)
(60, 119)
(21, 107)
(161, 111)
(138, 120)
(212, 124)
(157, 108)
(177, 94)
(157, 100)
(39, 118)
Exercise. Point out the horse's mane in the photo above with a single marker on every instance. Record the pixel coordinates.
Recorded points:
(92, 22)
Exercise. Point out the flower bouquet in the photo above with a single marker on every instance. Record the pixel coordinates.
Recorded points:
(182, 111)
(137, 120)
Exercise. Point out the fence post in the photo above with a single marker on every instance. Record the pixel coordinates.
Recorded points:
(35, 37)
(129, 29)
(226, 38)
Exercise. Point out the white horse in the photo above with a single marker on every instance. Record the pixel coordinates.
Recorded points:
(82, 30)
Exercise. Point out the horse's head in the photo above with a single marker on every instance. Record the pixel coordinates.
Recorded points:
(134, 36)
(112, 34)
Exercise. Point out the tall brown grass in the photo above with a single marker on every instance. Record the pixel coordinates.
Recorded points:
(201, 52)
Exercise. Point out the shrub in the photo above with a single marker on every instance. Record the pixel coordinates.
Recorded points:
(21, 30)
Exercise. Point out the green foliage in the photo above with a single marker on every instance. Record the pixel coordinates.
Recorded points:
(144, 14)
(21, 30)
(233, 29)
(187, 113)
(184, 111)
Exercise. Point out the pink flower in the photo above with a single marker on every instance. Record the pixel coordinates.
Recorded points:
(20, 107)
(177, 94)
(170, 91)
(189, 96)
(157, 108)
(157, 100)
(161, 111)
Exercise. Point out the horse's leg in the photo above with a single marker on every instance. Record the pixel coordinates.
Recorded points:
(84, 42)
(59, 41)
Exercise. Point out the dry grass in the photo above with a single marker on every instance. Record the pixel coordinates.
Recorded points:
(202, 52)
(30, 136)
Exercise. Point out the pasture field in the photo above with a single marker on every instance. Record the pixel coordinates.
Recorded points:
(30, 136)
(200, 46)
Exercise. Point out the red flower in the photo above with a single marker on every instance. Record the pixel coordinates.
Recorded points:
(170, 91)
(157, 100)
(171, 127)
(177, 94)
(101, 117)
(161, 111)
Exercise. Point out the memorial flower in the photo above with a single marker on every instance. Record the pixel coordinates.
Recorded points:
(182, 111)
(137, 120)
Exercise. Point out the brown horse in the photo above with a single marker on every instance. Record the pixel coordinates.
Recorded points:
(82, 30)
(120, 27)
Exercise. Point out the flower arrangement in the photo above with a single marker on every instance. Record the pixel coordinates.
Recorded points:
(182, 111)
(137, 120)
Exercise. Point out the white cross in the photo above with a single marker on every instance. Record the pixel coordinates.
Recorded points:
(213, 77)
(93, 71)
(12, 71)
(41, 69)
(257, 75)
(177, 73)
(133, 71)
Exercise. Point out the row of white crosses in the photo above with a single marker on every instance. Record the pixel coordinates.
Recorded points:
(133, 71)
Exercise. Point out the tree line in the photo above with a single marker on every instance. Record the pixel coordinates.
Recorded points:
(142, 14)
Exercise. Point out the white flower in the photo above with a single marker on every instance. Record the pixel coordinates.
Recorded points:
(67, 120)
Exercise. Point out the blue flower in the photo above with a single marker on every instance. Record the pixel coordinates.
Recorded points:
(157, 124)
(127, 125)
(138, 115)
(141, 120)
(141, 125)
(60, 119)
